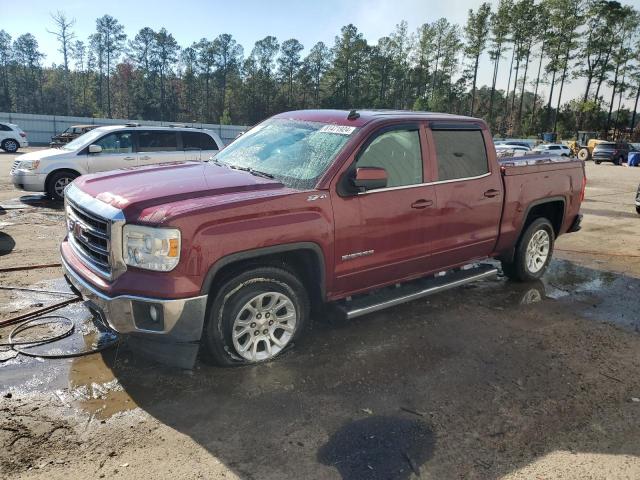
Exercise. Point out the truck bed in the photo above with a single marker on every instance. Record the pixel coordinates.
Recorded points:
(530, 180)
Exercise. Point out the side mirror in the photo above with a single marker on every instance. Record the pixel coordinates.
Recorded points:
(93, 148)
(370, 178)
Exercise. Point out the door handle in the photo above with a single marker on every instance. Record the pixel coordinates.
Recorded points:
(129, 158)
(492, 193)
(422, 203)
(146, 157)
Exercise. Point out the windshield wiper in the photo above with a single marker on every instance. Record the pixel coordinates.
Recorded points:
(257, 173)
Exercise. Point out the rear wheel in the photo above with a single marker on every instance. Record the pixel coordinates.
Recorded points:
(255, 316)
(10, 146)
(638, 210)
(533, 252)
(58, 182)
(598, 162)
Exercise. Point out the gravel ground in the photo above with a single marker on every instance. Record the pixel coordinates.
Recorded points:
(494, 380)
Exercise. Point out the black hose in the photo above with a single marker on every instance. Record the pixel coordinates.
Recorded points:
(39, 341)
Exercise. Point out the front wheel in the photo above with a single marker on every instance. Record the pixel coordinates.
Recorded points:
(638, 210)
(57, 183)
(255, 316)
(583, 154)
(533, 252)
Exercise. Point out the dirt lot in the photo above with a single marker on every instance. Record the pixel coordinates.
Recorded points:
(496, 380)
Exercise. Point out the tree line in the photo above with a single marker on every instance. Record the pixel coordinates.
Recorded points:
(530, 43)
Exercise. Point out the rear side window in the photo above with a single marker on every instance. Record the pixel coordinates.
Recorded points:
(5, 128)
(460, 154)
(157, 141)
(198, 141)
(398, 152)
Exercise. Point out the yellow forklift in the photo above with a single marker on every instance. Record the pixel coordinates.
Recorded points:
(584, 145)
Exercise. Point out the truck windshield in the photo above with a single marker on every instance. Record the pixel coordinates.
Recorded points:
(294, 152)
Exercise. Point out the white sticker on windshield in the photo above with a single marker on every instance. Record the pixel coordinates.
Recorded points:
(339, 129)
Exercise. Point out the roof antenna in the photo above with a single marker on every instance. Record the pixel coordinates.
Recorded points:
(353, 115)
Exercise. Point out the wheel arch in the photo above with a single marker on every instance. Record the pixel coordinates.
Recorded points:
(305, 259)
(58, 170)
(552, 208)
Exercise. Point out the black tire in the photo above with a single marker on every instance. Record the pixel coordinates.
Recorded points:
(56, 180)
(638, 210)
(597, 162)
(10, 145)
(518, 268)
(617, 161)
(229, 302)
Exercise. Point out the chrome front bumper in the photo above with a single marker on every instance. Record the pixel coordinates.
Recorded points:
(179, 320)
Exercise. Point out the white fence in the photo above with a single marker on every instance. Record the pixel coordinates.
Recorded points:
(40, 128)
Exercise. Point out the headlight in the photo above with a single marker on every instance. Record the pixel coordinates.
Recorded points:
(28, 165)
(151, 248)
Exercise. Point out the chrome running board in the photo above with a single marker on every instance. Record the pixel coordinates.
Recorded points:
(392, 296)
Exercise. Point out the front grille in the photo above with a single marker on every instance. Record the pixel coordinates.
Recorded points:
(90, 237)
(14, 166)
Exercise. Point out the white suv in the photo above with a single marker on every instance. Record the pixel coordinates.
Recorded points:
(109, 148)
(553, 149)
(12, 137)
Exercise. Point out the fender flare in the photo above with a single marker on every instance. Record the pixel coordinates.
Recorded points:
(264, 251)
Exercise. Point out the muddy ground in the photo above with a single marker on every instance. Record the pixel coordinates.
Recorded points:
(495, 380)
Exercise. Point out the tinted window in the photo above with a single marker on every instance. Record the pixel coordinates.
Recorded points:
(119, 142)
(198, 141)
(398, 152)
(5, 128)
(461, 154)
(157, 141)
(553, 147)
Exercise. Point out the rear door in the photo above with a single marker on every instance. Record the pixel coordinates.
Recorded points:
(158, 146)
(468, 193)
(380, 235)
(198, 146)
(117, 152)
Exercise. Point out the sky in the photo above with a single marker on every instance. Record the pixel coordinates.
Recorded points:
(309, 21)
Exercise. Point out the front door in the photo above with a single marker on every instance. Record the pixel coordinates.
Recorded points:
(117, 152)
(380, 234)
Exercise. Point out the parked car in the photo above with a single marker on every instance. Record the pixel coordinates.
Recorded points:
(513, 143)
(615, 152)
(310, 207)
(69, 134)
(12, 137)
(554, 149)
(109, 148)
(505, 150)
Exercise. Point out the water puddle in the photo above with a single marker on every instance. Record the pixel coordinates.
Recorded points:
(89, 382)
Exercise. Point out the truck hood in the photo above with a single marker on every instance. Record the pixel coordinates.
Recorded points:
(135, 189)
(42, 154)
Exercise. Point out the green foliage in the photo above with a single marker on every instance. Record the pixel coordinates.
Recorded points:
(213, 80)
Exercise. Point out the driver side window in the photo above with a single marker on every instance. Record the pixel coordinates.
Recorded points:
(120, 142)
(398, 152)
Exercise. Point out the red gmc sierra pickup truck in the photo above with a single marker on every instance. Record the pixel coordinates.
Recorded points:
(364, 209)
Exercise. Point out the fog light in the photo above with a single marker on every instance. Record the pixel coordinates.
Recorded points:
(153, 313)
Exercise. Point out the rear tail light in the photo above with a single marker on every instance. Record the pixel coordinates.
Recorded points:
(22, 134)
(584, 187)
